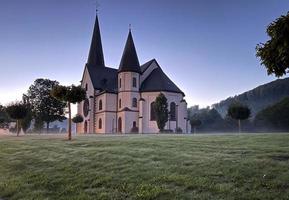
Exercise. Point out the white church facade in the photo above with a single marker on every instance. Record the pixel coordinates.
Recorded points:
(122, 100)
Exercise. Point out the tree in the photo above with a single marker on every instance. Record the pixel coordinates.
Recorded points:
(77, 118)
(239, 112)
(275, 116)
(195, 122)
(274, 54)
(161, 110)
(4, 119)
(69, 94)
(44, 106)
(17, 111)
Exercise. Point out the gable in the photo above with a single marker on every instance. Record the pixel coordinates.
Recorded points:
(157, 80)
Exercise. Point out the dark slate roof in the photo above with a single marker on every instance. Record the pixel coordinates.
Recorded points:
(158, 81)
(103, 78)
(129, 60)
(95, 57)
(146, 65)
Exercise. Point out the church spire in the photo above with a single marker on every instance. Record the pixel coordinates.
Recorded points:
(129, 61)
(95, 57)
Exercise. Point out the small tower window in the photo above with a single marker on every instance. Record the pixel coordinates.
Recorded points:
(100, 124)
(119, 103)
(134, 102)
(134, 82)
(100, 105)
(86, 87)
(120, 83)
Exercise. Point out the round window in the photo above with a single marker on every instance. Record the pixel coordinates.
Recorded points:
(85, 107)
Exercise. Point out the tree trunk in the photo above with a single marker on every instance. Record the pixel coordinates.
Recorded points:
(239, 125)
(69, 121)
(47, 127)
(17, 127)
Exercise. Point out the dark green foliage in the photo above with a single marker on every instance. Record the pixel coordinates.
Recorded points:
(77, 118)
(38, 125)
(72, 94)
(17, 110)
(274, 54)
(275, 117)
(239, 111)
(44, 106)
(4, 119)
(195, 122)
(161, 110)
(258, 98)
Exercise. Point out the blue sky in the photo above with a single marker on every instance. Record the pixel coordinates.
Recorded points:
(206, 47)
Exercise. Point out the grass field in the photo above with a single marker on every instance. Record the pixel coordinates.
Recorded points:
(145, 167)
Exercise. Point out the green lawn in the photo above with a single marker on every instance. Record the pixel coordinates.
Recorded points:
(145, 167)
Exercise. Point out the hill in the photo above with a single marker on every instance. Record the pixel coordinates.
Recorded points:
(257, 98)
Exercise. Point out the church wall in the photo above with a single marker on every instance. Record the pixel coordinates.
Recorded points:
(151, 126)
(128, 117)
(90, 92)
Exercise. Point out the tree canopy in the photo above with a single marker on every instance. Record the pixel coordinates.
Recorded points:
(274, 54)
(161, 110)
(44, 106)
(77, 118)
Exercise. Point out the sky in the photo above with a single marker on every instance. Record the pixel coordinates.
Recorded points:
(207, 47)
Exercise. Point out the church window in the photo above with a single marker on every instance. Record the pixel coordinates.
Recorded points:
(85, 107)
(120, 83)
(86, 87)
(119, 103)
(100, 105)
(134, 102)
(134, 124)
(153, 111)
(173, 111)
(100, 124)
(133, 82)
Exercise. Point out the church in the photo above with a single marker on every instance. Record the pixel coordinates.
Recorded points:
(122, 100)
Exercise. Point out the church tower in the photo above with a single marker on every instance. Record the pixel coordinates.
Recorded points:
(128, 88)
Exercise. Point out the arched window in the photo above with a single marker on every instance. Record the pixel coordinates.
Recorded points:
(173, 111)
(134, 102)
(100, 124)
(134, 124)
(153, 111)
(120, 83)
(134, 82)
(119, 103)
(100, 104)
(86, 87)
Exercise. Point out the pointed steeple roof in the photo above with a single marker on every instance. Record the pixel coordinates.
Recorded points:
(95, 57)
(129, 61)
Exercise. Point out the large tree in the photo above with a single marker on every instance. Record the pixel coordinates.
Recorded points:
(17, 111)
(274, 54)
(239, 112)
(69, 94)
(161, 111)
(44, 106)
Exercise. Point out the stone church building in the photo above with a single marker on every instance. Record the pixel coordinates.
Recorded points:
(122, 100)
